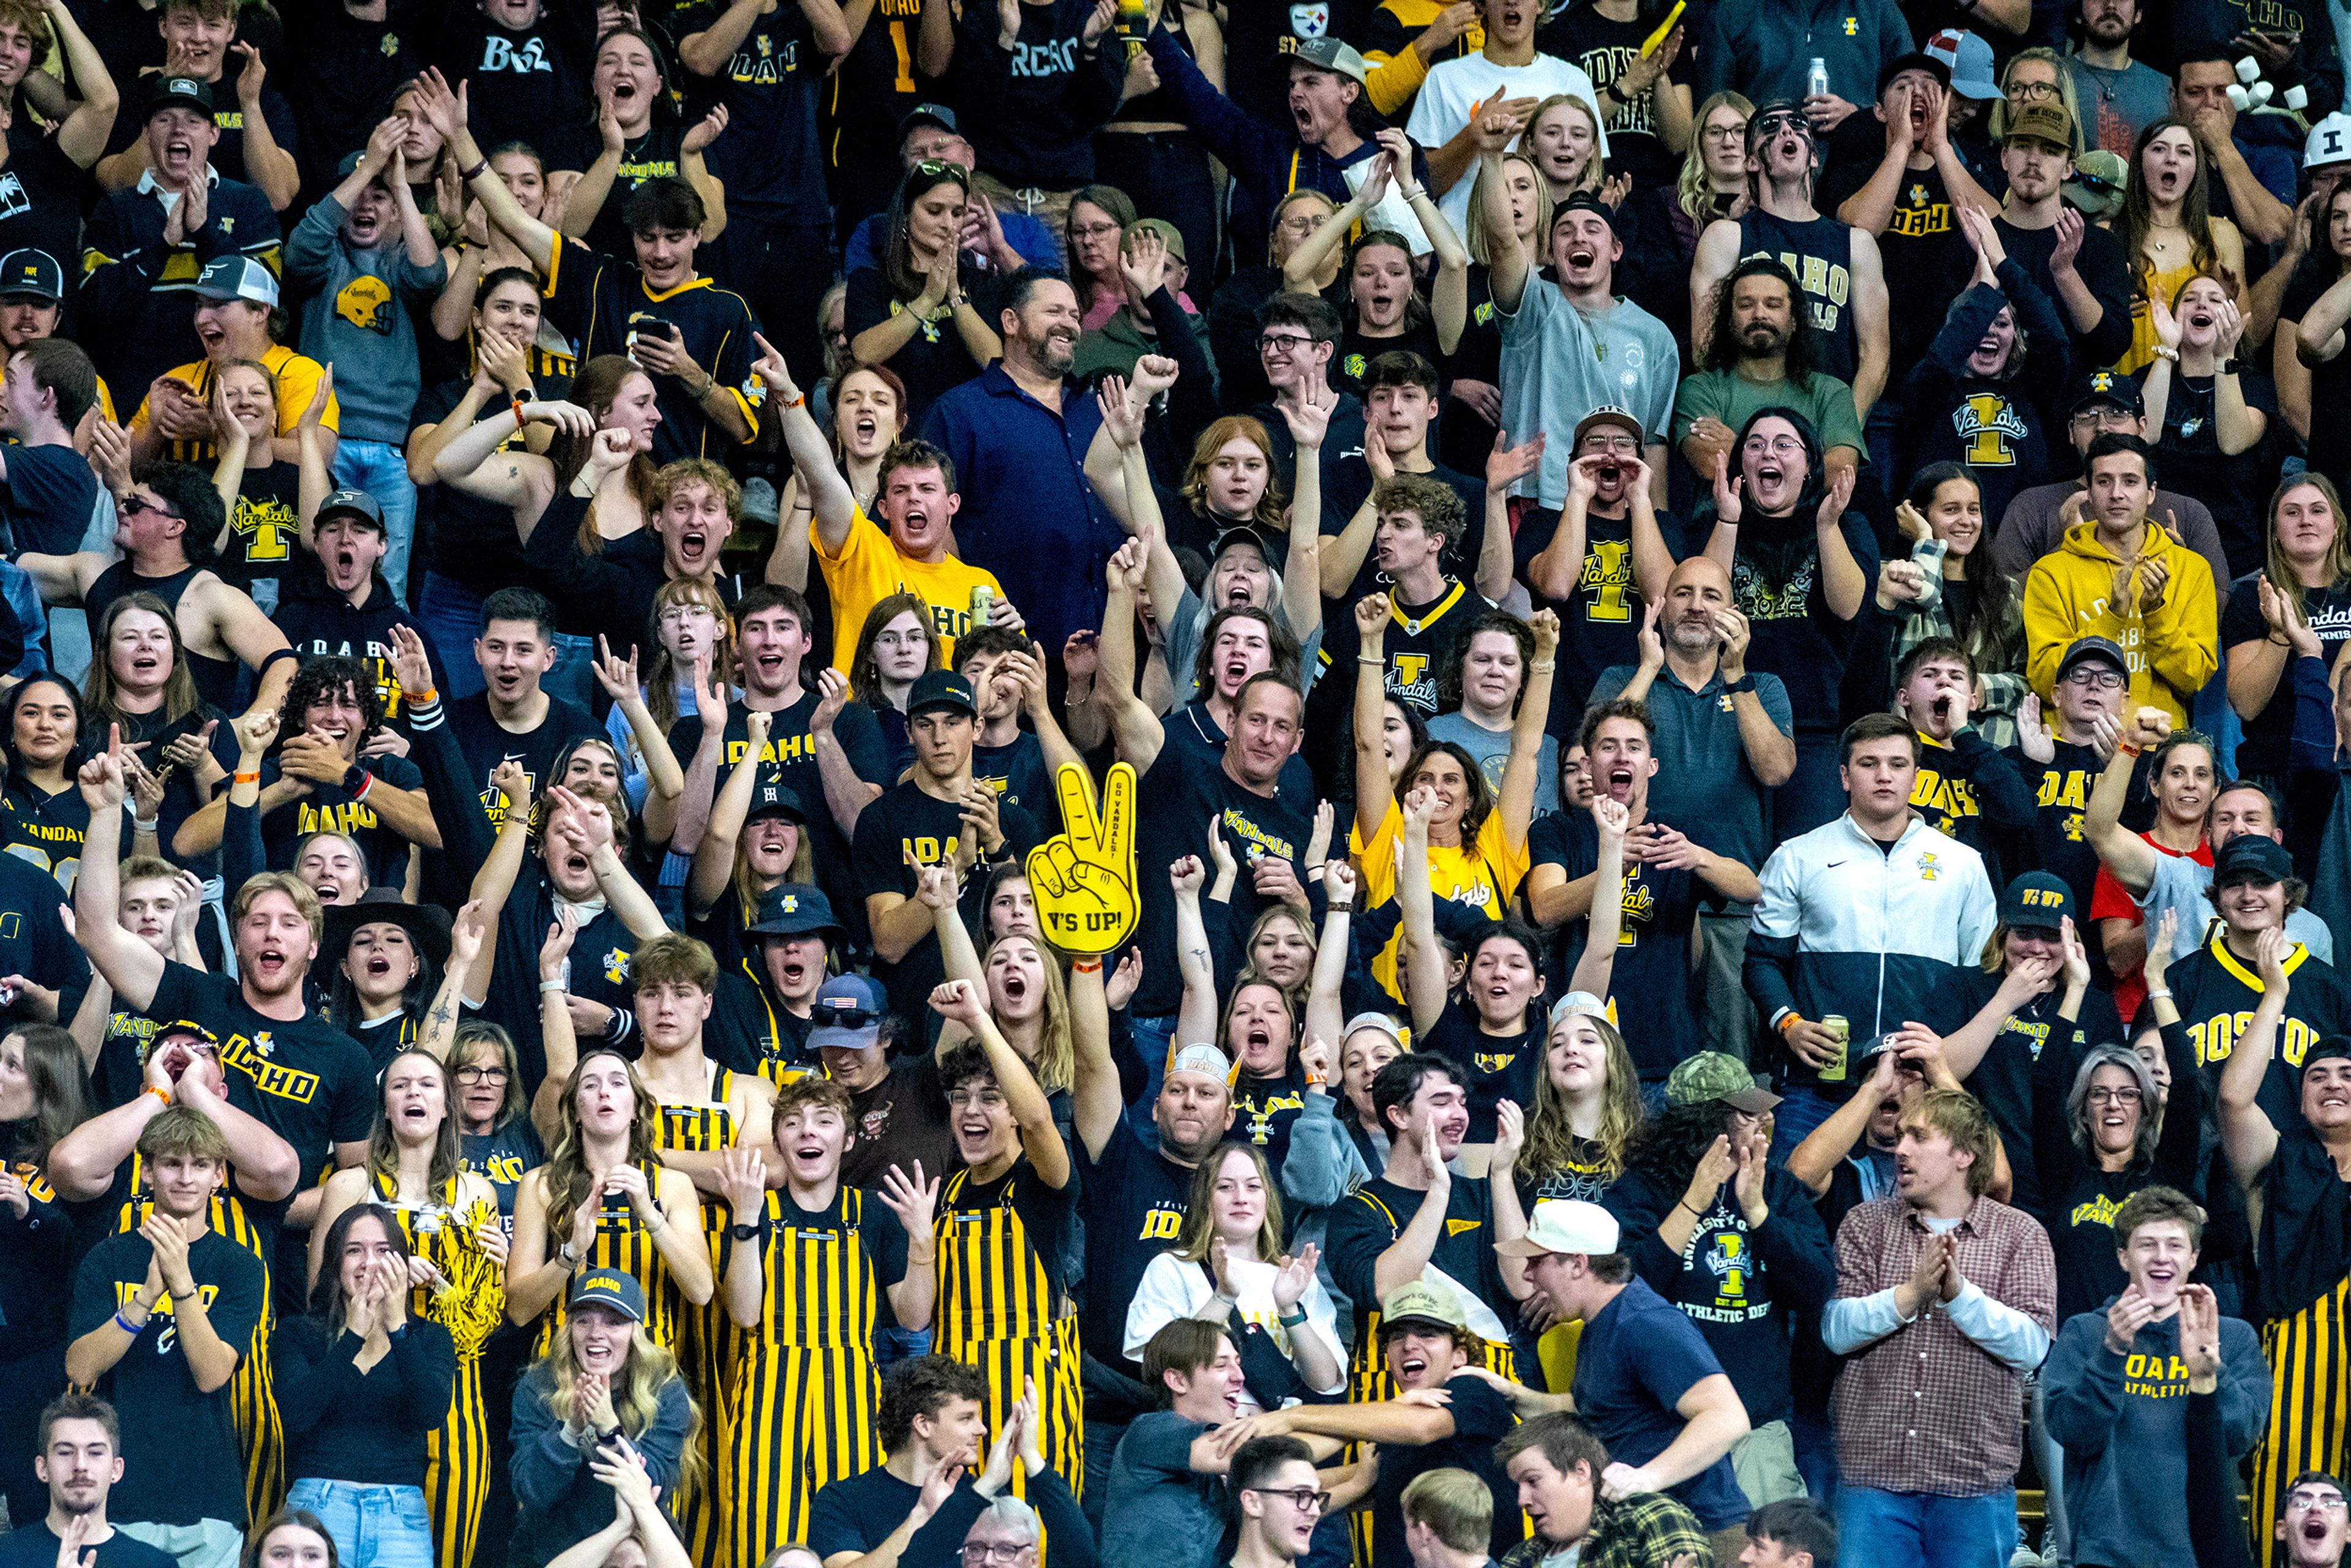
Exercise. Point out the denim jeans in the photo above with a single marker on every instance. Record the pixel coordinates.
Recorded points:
(1918, 1529)
(372, 1526)
(574, 676)
(382, 470)
(1800, 1111)
(451, 614)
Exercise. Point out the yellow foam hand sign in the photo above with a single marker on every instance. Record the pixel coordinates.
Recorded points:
(1083, 878)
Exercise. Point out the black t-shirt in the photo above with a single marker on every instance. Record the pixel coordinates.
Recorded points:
(265, 530)
(314, 1086)
(1925, 256)
(771, 158)
(1015, 770)
(503, 1158)
(33, 940)
(1481, 1417)
(934, 361)
(34, 1545)
(45, 831)
(872, 89)
(473, 542)
(652, 156)
(790, 760)
(2234, 488)
(1172, 811)
(1366, 1222)
(2216, 993)
(1357, 349)
(899, 1120)
(2329, 447)
(2061, 796)
(1600, 622)
(2328, 611)
(602, 302)
(1265, 1108)
(905, 822)
(1606, 50)
(486, 744)
(349, 70)
(1777, 583)
(329, 808)
(523, 84)
(1048, 1214)
(1500, 1066)
(1140, 1198)
(51, 494)
(180, 1451)
(1347, 483)
(179, 802)
(1650, 981)
(2002, 1079)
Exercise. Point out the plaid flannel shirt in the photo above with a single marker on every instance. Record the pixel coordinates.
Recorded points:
(1925, 1408)
(1648, 1529)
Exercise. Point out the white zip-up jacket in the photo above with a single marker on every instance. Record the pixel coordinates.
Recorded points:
(1851, 926)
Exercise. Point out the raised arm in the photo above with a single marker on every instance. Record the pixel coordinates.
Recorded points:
(834, 503)
(446, 112)
(2128, 858)
(2246, 1132)
(1423, 955)
(714, 852)
(1196, 1020)
(959, 1002)
(1518, 794)
(1374, 790)
(128, 964)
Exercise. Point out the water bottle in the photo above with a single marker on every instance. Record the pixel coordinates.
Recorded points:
(1817, 81)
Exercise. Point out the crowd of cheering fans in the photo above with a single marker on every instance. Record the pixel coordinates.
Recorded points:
(1720, 622)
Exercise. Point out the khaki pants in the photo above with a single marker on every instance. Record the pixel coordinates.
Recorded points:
(213, 1543)
(1765, 1463)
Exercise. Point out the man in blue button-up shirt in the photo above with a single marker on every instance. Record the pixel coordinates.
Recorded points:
(1018, 433)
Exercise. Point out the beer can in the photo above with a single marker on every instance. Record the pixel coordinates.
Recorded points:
(1833, 1072)
(983, 604)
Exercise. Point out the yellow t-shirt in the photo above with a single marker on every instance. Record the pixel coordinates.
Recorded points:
(297, 383)
(869, 570)
(1484, 874)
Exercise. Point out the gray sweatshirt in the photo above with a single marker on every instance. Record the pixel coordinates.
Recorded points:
(356, 319)
(2123, 1421)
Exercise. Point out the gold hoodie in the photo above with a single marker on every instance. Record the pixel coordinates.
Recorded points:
(2173, 649)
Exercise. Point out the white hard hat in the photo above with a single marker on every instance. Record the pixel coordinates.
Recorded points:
(2329, 142)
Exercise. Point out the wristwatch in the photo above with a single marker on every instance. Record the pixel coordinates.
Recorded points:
(745, 1232)
(1745, 682)
(568, 1255)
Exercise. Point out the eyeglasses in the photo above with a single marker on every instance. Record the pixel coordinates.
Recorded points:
(2106, 419)
(2026, 91)
(1094, 231)
(936, 166)
(1726, 133)
(1781, 120)
(138, 503)
(2322, 1501)
(997, 1550)
(2095, 680)
(481, 1075)
(846, 1018)
(2126, 1095)
(1305, 1499)
(1782, 445)
(959, 1098)
(1285, 343)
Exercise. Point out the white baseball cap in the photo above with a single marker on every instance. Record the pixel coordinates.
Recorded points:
(1565, 1225)
(2329, 142)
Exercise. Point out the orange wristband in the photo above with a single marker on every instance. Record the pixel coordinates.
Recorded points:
(244, 778)
(1790, 1021)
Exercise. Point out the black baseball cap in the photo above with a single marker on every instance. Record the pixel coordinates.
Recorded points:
(2107, 387)
(796, 909)
(941, 688)
(2327, 1048)
(2035, 902)
(353, 504)
(1585, 202)
(1914, 61)
(164, 92)
(772, 797)
(34, 272)
(2250, 857)
(2082, 649)
(610, 1288)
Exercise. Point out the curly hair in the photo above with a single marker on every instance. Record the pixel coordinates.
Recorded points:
(323, 677)
(1802, 358)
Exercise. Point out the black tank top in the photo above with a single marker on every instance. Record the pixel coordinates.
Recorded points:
(1820, 255)
(215, 678)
